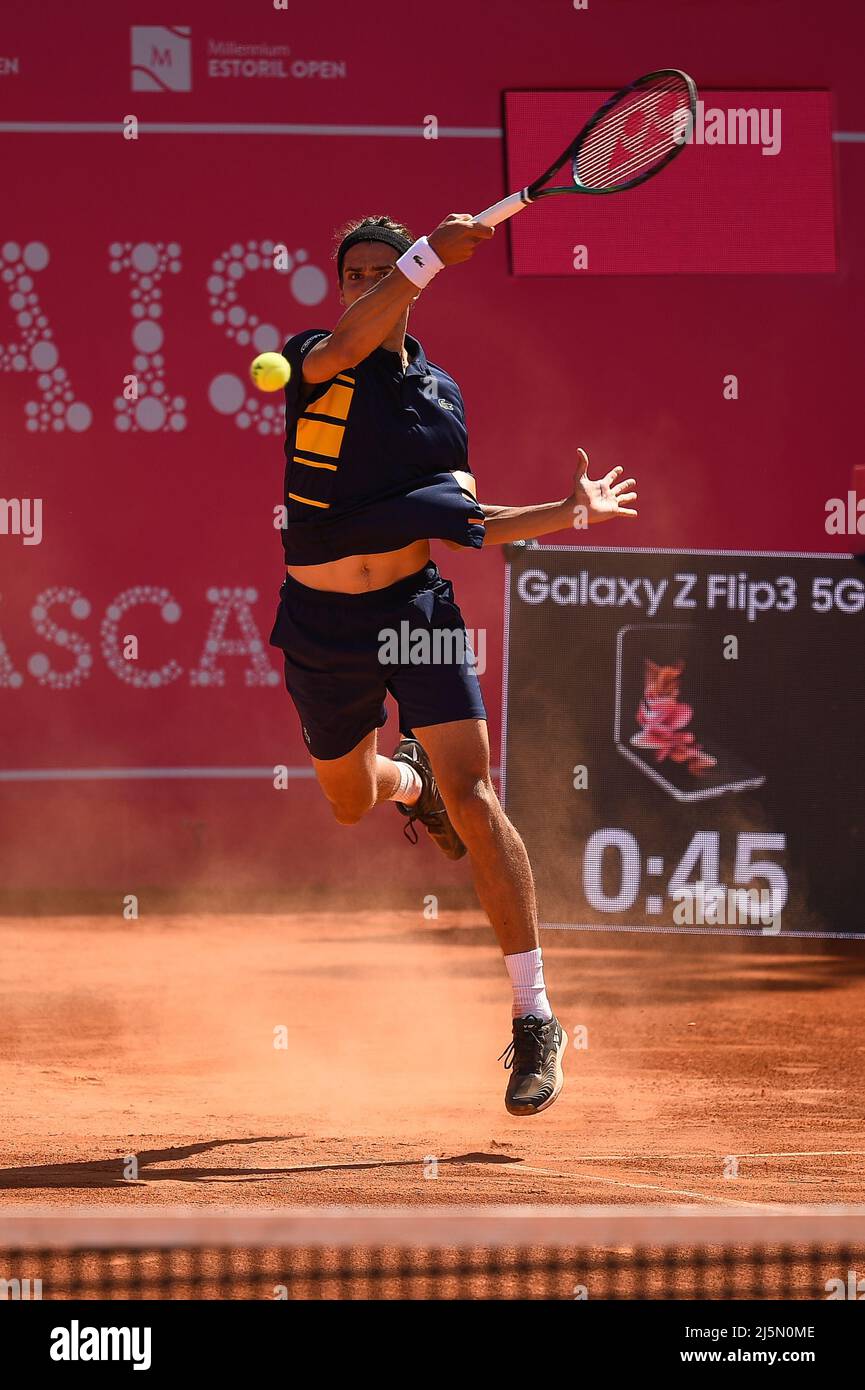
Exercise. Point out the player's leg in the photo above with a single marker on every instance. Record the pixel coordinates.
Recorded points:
(443, 717)
(330, 647)
(357, 781)
(459, 755)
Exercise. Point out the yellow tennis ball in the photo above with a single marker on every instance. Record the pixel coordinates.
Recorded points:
(270, 371)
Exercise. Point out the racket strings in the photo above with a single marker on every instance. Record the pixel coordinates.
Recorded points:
(594, 165)
(647, 105)
(594, 168)
(661, 107)
(628, 168)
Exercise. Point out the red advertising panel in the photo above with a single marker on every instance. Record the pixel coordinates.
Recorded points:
(751, 195)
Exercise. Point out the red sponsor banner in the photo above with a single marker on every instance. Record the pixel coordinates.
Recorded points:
(140, 556)
(751, 195)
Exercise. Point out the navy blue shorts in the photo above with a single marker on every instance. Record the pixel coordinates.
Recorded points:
(345, 652)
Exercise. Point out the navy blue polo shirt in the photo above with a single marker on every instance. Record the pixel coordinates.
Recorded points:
(370, 456)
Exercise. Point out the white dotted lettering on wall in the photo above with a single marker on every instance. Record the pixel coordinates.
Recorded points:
(112, 637)
(39, 665)
(36, 350)
(227, 603)
(146, 263)
(228, 393)
(10, 679)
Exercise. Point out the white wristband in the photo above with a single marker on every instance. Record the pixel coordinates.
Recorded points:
(420, 263)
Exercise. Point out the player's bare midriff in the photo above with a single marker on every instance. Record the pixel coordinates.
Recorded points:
(358, 573)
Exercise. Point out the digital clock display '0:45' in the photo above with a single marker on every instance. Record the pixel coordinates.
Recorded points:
(695, 881)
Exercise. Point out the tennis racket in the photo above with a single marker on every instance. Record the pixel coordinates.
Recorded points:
(632, 137)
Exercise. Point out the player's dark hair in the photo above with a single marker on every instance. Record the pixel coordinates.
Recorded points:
(381, 223)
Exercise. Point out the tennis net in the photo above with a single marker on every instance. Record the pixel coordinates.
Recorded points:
(654, 1252)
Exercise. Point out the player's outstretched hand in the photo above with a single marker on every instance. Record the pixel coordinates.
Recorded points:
(603, 498)
(458, 237)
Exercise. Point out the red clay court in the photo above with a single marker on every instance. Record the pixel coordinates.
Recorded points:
(156, 1039)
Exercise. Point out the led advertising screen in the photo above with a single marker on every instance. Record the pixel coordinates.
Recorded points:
(683, 738)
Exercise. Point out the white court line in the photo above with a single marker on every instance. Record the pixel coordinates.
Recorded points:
(577, 1158)
(433, 1227)
(809, 1153)
(121, 774)
(472, 132)
(646, 1187)
(739, 1153)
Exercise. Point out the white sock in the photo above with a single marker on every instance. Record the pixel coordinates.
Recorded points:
(526, 970)
(410, 786)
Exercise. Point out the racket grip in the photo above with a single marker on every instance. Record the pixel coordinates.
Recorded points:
(501, 211)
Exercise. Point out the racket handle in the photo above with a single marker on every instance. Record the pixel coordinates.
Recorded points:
(500, 212)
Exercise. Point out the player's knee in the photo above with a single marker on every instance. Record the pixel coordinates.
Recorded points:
(350, 811)
(473, 808)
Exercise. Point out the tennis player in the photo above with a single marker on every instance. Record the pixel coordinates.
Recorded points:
(376, 467)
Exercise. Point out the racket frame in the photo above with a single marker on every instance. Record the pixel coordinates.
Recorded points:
(515, 202)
